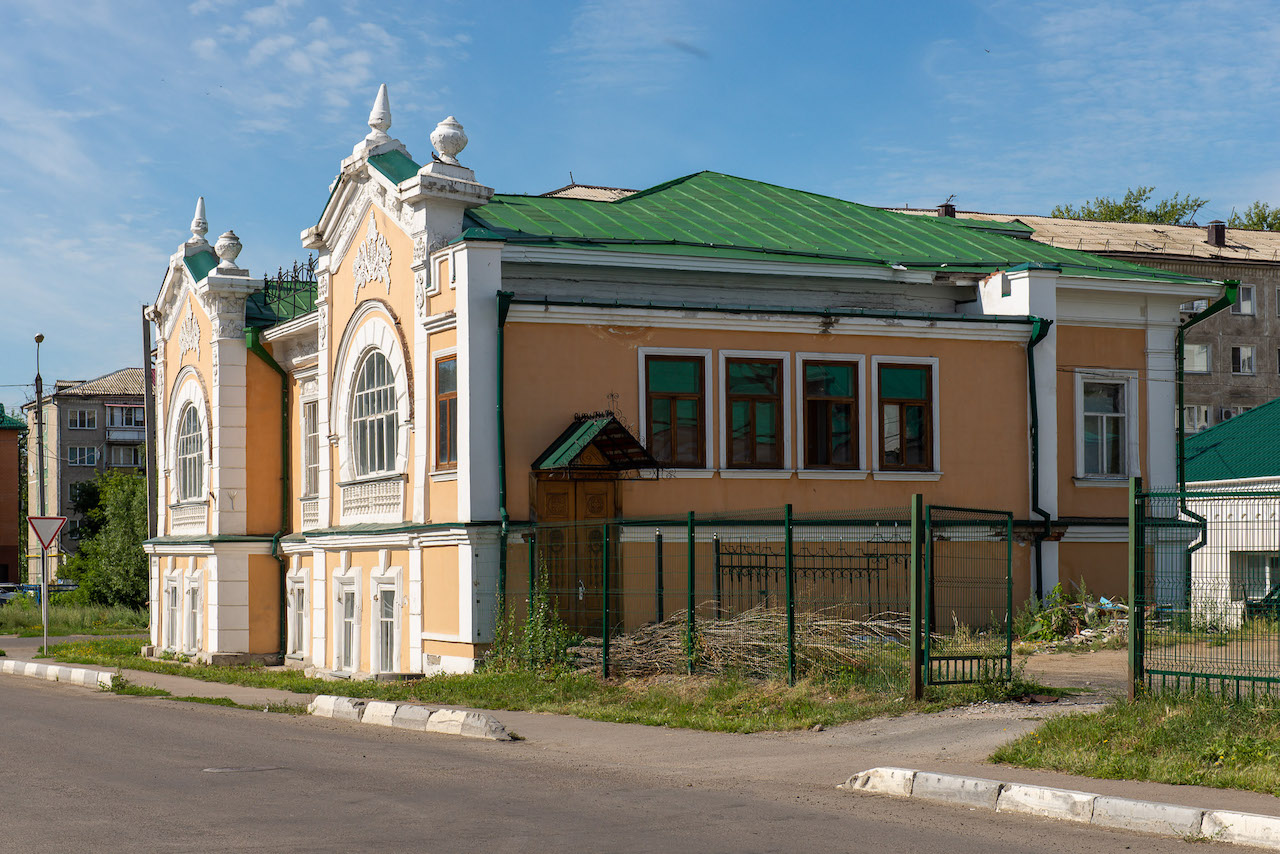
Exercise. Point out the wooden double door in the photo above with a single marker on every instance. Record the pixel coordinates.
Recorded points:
(572, 535)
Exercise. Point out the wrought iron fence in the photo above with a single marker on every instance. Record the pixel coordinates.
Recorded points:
(1205, 588)
(769, 594)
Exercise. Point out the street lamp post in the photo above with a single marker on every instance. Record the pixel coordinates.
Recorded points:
(44, 570)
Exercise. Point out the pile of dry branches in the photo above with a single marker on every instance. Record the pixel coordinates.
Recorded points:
(752, 643)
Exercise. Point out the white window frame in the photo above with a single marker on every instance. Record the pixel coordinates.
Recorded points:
(192, 610)
(708, 395)
(1242, 302)
(136, 456)
(82, 455)
(873, 406)
(450, 473)
(1133, 433)
(860, 371)
(371, 327)
(346, 579)
(115, 410)
(1199, 417)
(308, 462)
(385, 580)
(367, 425)
(787, 467)
(297, 586)
(80, 418)
(172, 605)
(189, 390)
(1239, 360)
(1208, 359)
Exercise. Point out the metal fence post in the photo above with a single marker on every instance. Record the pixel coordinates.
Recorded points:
(1008, 599)
(928, 629)
(657, 574)
(917, 592)
(604, 585)
(533, 572)
(1137, 586)
(789, 565)
(688, 638)
(715, 572)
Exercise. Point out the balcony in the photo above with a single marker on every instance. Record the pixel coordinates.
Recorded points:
(190, 517)
(127, 435)
(373, 500)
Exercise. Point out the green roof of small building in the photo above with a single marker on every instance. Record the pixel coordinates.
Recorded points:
(1243, 447)
(9, 422)
(710, 214)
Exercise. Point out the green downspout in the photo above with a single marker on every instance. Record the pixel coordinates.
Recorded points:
(1039, 329)
(1231, 292)
(504, 305)
(253, 342)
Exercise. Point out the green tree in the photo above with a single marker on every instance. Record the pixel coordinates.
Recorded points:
(1259, 215)
(110, 566)
(1136, 206)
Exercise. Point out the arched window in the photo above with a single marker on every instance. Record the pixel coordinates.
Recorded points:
(373, 417)
(190, 455)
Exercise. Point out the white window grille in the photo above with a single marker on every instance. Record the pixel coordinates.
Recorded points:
(171, 616)
(386, 629)
(190, 455)
(195, 619)
(310, 449)
(297, 635)
(348, 629)
(374, 417)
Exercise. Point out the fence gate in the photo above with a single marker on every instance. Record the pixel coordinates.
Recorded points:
(1204, 590)
(965, 611)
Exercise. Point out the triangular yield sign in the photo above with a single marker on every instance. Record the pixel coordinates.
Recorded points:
(46, 528)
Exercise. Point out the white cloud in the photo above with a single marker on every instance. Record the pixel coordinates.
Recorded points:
(205, 48)
(274, 15)
(637, 45)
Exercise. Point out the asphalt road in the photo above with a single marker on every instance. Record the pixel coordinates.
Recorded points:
(84, 771)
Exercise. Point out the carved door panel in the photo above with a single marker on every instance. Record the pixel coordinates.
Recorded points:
(571, 516)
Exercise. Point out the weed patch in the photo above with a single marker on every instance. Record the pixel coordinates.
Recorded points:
(1190, 740)
(21, 616)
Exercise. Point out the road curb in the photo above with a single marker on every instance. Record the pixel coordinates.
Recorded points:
(59, 673)
(1067, 805)
(409, 716)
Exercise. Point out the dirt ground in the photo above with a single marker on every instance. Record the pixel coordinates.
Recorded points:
(1100, 675)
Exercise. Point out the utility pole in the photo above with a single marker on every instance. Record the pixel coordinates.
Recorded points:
(44, 569)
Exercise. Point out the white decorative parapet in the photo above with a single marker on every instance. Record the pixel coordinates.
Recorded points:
(310, 514)
(373, 499)
(190, 518)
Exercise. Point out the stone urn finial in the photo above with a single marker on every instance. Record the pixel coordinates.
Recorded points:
(199, 225)
(449, 139)
(228, 248)
(380, 116)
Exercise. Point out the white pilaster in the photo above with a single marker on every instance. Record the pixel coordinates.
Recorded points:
(1162, 398)
(319, 611)
(415, 609)
(479, 272)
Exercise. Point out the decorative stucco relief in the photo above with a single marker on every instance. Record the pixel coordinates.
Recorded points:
(322, 287)
(227, 317)
(420, 289)
(323, 325)
(189, 334)
(373, 261)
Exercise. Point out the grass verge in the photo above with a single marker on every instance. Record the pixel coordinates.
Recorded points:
(1191, 740)
(723, 704)
(130, 689)
(21, 617)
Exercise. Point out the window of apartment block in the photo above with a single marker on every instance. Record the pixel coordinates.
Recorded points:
(125, 416)
(1195, 306)
(82, 455)
(905, 404)
(310, 448)
(1244, 302)
(126, 456)
(1195, 358)
(831, 414)
(82, 419)
(1106, 427)
(447, 412)
(1242, 359)
(675, 402)
(753, 399)
(374, 419)
(190, 457)
(1195, 418)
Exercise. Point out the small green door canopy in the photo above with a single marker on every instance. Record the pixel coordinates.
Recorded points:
(597, 443)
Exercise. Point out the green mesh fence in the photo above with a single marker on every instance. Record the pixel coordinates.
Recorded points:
(1205, 586)
(764, 594)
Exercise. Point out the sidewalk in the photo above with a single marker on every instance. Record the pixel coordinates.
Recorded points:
(953, 742)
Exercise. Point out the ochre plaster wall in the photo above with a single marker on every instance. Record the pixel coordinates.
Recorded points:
(440, 590)
(264, 604)
(262, 451)
(1084, 347)
(1102, 567)
(554, 371)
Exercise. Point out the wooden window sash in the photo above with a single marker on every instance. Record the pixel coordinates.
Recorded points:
(925, 404)
(833, 399)
(699, 400)
(446, 421)
(752, 400)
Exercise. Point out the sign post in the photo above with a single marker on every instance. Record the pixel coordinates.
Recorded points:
(46, 529)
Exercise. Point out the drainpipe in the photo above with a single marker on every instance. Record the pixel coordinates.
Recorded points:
(504, 305)
(1229, 295)
(1039, 329)
(253, 342)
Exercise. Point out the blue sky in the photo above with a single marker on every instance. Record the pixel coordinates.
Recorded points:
(115, 116)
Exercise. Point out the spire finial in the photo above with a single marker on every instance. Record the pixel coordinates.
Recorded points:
(380, 115)
(199, 225)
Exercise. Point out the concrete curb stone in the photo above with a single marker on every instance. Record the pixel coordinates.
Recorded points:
(410, 716)
(1067, 805)
(59, 673)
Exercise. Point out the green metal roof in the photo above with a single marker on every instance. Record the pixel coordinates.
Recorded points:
(10, 422)
(621, 450)
(1245, 446)
(714, 215)
(278, 302)
(395, 164)
(201, 263)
